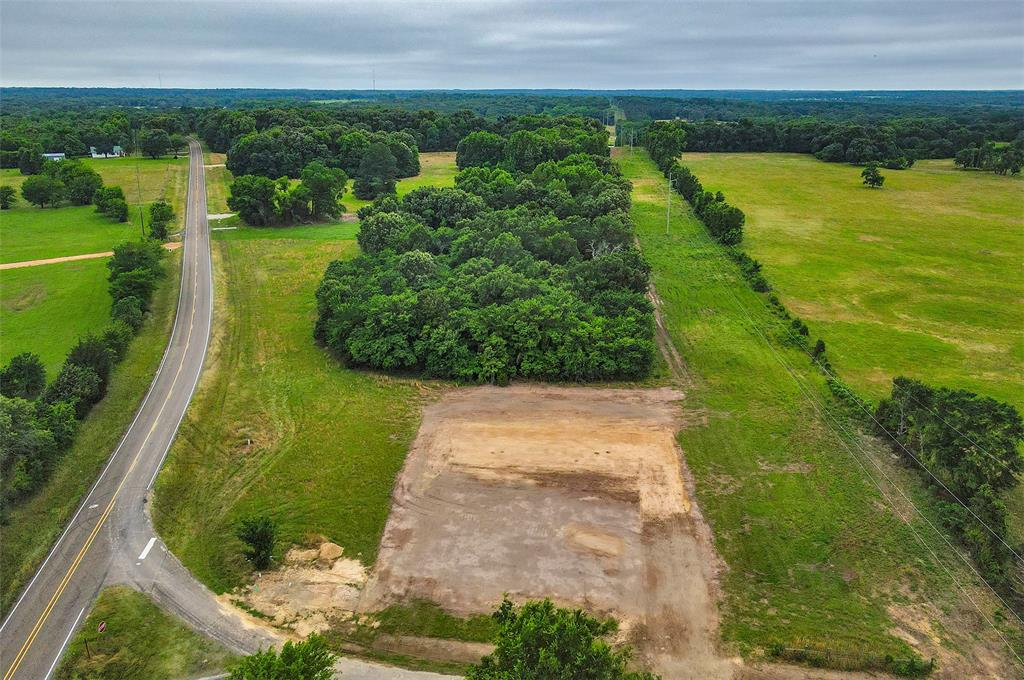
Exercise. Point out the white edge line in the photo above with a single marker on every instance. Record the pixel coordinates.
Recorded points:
(202, 363)
(145, 551)
(60, 652)
(149, 393)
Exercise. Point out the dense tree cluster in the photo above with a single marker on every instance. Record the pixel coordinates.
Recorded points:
(76, 183)
(888, 128)
(38, 421)
(530, 274)
(891, 142)
(26, 135)
(1002, 160)
(524, 149)
(261, 201)
(971, 445)
(541, 641)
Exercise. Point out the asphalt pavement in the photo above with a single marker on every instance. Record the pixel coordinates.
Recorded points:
(110, 538)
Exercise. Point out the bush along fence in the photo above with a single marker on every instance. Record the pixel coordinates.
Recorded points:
(936, 431)
(851, 660)
(38, 421)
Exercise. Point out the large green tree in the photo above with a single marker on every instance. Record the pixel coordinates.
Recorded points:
(306, 660)
(377, 172)
(872, 176)
(42, 190)
(543, 642)
(24, 376)
(8, 196)
(252, 197)
(154, 142)
(160, 215)
(326, 187)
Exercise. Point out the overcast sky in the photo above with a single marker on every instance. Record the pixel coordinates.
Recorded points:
(783, 44)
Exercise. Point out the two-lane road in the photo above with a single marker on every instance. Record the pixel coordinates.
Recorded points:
(111, 538)
(51, 606)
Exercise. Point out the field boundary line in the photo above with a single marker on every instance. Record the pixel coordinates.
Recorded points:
(71, 258)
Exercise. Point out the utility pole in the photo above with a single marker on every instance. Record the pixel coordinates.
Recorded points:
(668, 202)
(138, 184)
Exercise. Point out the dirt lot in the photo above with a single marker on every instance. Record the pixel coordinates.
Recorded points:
(576, 494)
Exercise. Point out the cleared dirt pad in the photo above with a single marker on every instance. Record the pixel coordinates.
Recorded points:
(576, 494)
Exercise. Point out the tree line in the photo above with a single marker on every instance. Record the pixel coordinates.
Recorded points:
(38, 420)
(892, 143)
(73, 132)
(724, 222)
(970, 446)
(509, 274)
(1002, 160)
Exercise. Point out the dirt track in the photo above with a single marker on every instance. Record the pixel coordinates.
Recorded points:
(576, 494)
(72, 258)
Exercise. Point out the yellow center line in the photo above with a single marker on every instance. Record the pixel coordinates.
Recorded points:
(106, 513)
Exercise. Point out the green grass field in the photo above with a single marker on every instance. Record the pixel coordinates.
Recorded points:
(278, 426)
(919, 278)
(218, 183)
(814, 555)
(125, 650)
(30, 233)
(45, 309)
(35, 524)
(437, 169)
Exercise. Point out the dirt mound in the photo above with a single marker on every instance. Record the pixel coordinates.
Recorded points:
(314, 586)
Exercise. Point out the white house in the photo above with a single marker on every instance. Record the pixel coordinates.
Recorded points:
(118, 151)
(54, 156)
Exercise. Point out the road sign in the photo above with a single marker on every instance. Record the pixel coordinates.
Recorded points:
(102, 627)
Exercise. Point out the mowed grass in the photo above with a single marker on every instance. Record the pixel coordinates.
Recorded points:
(34, 525)
(814, 553)
(437, 169)
(278, 426)
(218, 183)
(126, 649)
(29, 233)
(46, 309)
(920, 278)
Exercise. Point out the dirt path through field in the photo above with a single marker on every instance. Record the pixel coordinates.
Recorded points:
(72, 258)
(577, 494)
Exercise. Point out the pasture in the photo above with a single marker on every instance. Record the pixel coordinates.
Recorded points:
(815, 554)
(30, 233)
(437, 169)
(45, 309)
(278, 426)
(919, 278)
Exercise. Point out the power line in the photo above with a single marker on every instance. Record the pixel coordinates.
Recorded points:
(924, 467)
(815, 405)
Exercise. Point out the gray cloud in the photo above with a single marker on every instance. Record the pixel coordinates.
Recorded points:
(516, 43)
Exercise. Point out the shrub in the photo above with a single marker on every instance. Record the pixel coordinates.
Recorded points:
(307, 660)
(259, 535)
(24, 376)
(128, 310)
